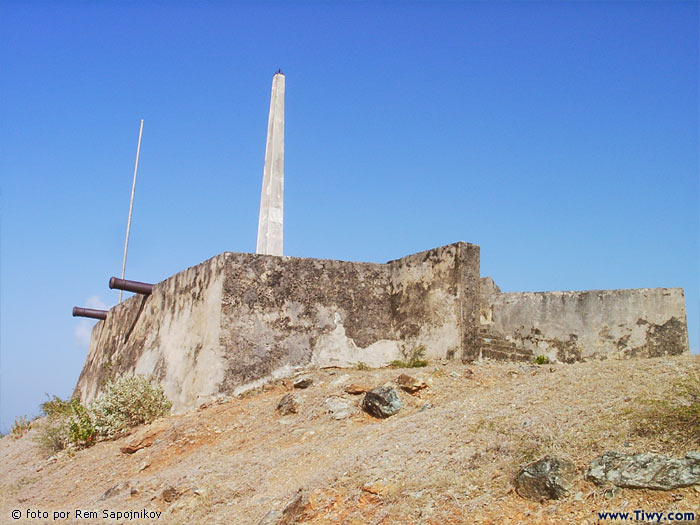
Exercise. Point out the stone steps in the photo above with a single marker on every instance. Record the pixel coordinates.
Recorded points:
(494, 347)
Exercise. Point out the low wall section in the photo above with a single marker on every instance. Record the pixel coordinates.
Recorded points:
(573, 326)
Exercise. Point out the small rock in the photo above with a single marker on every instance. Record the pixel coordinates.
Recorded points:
(578, 496)
(547, 478)
(356, 389)
(135, 491)
(468, 373)
(289, 404)
(377, 489)
(427, 406)
(454, 374)
(289, 514)
(144, 442)
(170, 494)
(645, 471)
(382, 402)
(135, 447)
(410, 384)
(116, 489)
(304, 381)
(337, 407)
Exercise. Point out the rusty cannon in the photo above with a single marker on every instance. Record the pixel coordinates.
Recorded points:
(130, 286)
(89, 312)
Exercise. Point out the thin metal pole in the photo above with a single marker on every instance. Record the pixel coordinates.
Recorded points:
(131, 205)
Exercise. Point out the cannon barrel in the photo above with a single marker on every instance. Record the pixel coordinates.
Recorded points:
(89, 312)
(130, 286)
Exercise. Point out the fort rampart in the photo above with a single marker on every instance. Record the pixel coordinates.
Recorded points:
(237, 320)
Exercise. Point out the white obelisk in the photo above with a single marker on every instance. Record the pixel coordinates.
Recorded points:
(270, 224)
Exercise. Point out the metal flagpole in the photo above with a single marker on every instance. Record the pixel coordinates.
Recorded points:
(131, 205)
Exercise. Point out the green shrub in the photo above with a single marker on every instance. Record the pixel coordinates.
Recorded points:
(81, 430)
(20, 426)
(123, 403)
(68, 425)
(362, 366)
(56, 407)
(415, 360)
(541, 360)
(126, 402)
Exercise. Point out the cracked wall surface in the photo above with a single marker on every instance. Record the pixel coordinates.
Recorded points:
(574, 326)
(172, 334)
(238, 320)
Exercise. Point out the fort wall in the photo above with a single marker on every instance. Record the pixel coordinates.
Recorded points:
(238, 320)
(574, 326)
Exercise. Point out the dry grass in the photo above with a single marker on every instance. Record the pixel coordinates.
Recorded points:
(452, 463)
(671, 416)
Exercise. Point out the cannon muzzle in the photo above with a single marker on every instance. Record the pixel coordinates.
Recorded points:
(130, 286)
(88, 312)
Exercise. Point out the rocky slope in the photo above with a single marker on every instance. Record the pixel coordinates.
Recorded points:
(450, 454)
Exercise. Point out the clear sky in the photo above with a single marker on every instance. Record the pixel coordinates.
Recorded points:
(560, 137)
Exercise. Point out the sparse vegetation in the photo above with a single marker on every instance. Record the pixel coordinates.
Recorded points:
(62, 427)
(676, 417)
(459, 457)
(125, 402)
(56, 407)
(541, 360)
(362, 366)
(415, 360)
(20, 426)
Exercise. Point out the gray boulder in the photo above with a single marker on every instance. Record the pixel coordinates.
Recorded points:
(382, 402)
(304, 381)
(645, 471)
(547, 478)
(337, 407)
(289, 404)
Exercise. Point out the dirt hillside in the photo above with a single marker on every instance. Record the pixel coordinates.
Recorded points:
(448, 456)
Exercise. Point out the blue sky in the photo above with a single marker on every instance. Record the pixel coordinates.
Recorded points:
(560, 137)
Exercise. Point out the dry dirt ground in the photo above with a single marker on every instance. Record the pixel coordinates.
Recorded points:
(449, 456)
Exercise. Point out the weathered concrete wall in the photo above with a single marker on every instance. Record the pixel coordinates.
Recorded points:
(172, 334)
(283, 312)
(237, 320)
(431, 300)
(572, 326)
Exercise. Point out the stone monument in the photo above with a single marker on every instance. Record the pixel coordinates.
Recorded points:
(270, 224)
